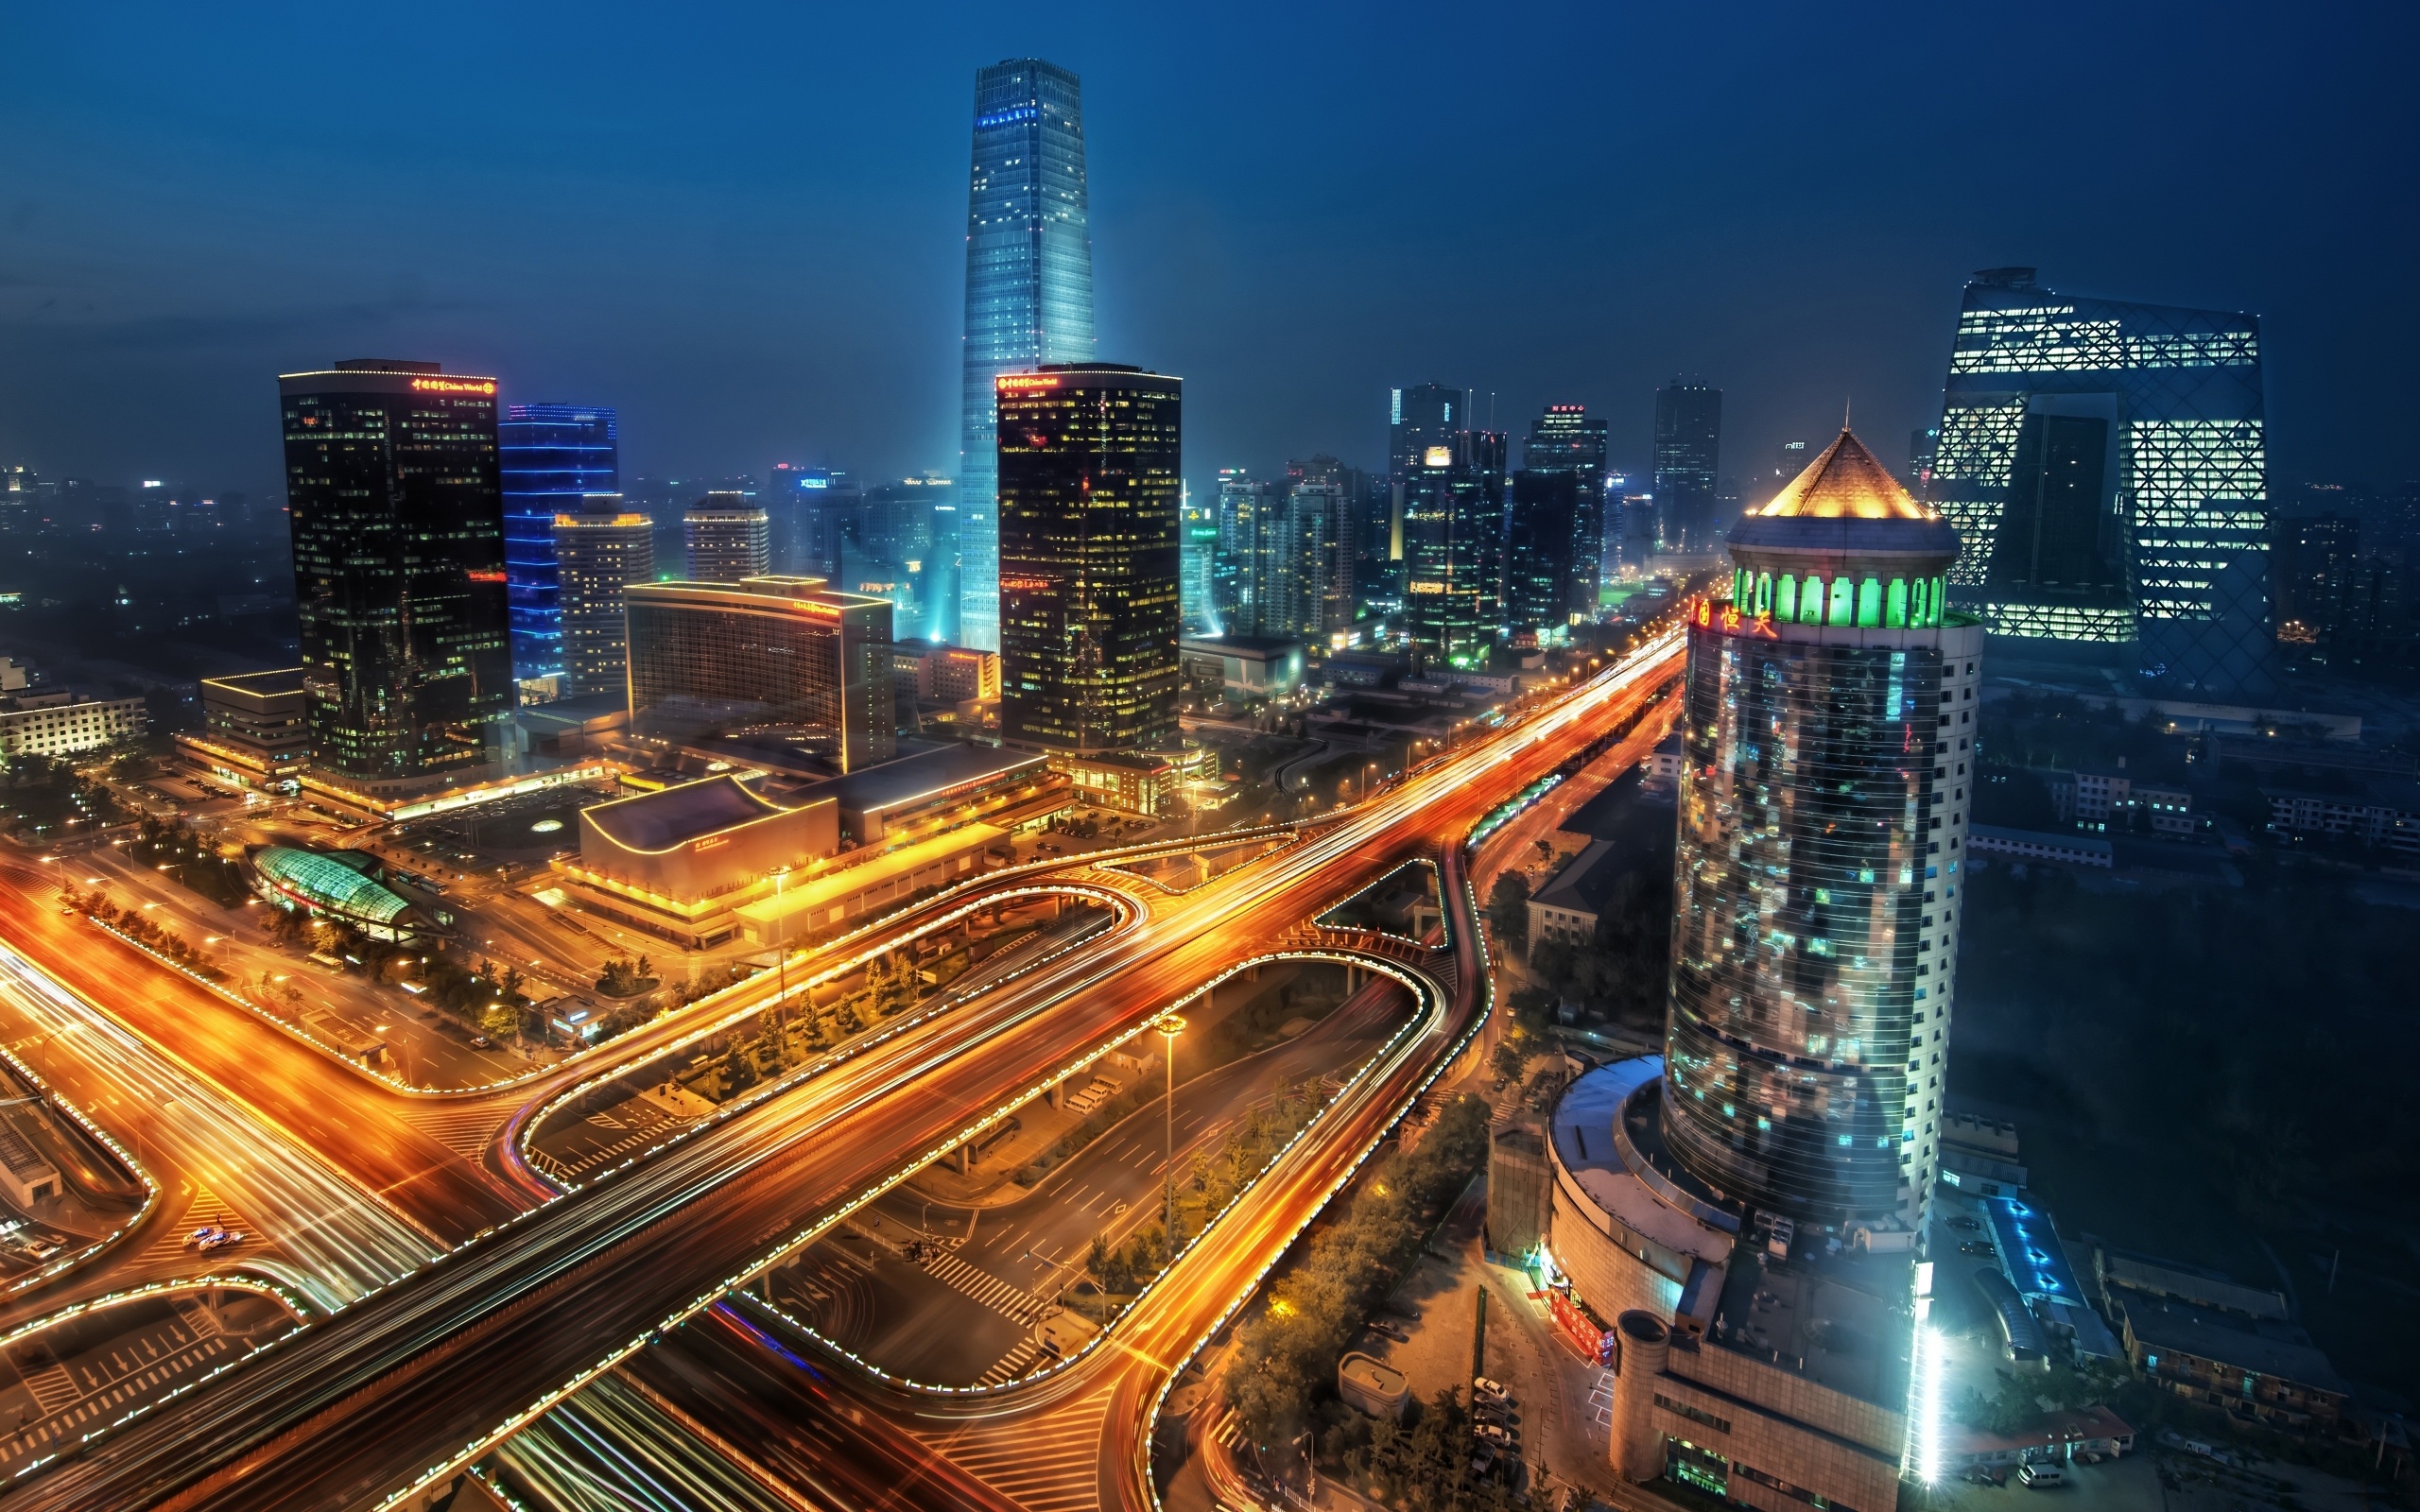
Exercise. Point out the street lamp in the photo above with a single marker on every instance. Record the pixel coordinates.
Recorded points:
(1171, 1025)
(781, 972)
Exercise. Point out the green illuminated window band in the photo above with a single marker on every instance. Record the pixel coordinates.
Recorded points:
(1869, 603)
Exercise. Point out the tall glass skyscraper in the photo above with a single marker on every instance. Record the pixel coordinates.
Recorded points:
(1828, 736)
(1091, 455)
(1453, 548)
(1555, 533)
(2106, 465)
(549, 456)
(398, 577)
(1029, 297)
(1688, 464)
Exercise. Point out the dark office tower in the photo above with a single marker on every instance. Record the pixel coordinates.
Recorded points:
(726, 538)
(1790, 461)
(1089, 460)
(398, 526)
(1555, 535)
(1688, 464)
(895, 538)
(1028, 294)
(2313, 571)
(1922, 443)
(598, 551)
(783, 652)
(1307, 594)
(1828, 736)
(2170, 402)
(1453, 548)
(1420, 418)
(550, 457)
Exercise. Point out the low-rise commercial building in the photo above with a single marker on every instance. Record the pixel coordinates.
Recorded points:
(929, 791)
(2091, 800)
(343, 886)
(2380, 812)
(1566, 910)
(30, 1177)
(1248, 666)
(55, 722)
(1520, 1186)
(1131, 783)
(255, 730)
(861, 883)
(949, 674)
(1771, 1373)
(2043, 845)
(680, 862)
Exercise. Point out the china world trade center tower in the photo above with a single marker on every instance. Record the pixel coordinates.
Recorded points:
(1029, 300)
(1829, 735)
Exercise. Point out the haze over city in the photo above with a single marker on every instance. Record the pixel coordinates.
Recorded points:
(744, 227)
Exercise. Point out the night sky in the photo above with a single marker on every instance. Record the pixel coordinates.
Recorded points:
(744, 226)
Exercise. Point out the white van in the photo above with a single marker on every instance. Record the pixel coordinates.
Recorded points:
(2042, 1474)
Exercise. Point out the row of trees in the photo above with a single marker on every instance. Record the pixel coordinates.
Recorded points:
(1423, 1463)
(39, 796)
(1285, 1357)
(134, 925)
(1211, 1183)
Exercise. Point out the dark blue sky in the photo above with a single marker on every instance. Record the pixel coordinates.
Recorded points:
(744, 226)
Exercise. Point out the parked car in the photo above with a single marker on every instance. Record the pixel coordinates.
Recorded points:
(1490, 1434)
(1486, 1387)
(1974, 1246)
(2042, 1474)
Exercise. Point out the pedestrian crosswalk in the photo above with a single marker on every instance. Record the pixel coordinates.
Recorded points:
(465, 1130)
(1016, 1362)
(1013, 1303)
(1053, 1465)
(207, 1207)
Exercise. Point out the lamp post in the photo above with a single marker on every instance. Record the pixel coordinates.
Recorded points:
(1170, 1027)
(780, 974)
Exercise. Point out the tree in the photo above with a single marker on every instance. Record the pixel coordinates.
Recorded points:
(1507, 910)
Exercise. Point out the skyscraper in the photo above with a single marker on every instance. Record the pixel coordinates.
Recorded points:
(2107, 465)
(599, 551)
(726, 538)
(808, 512)
(1828, 739)
(1555, 532)
(1029, 295)
(787, 652)
(550, 457)
(1248, 509)
(1419, 417)
(1453, 548)
(399, 582)
(1308, 592)
(1688, 464)
(1090, 458)
(1198, 565)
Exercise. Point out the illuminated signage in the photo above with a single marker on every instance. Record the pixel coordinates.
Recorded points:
(711, 842)
(1437, 457)
(1591, 1339)
(454, 386)
(1017, 383)
(487, 577)
(1422, 585)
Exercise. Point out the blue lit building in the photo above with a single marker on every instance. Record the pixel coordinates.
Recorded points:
(1029, 298)
(2106, 465)
(548, 457)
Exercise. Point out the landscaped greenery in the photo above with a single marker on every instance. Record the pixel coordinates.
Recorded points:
(1287, 1354)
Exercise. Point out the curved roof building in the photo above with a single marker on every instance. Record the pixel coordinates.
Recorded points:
(336, 887)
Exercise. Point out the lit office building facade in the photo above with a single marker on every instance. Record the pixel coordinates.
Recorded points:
(2106, 466)
(1689, 467)
(1828, 736)
(783, 652)
(1453, 548)
(1029, 295)
(599, 552)
(1090, 462)
(549, 457)
(397, 516)
(727, 538)
(1198, 566)
(1247, 524)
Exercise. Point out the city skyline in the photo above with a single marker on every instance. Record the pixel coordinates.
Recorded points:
(848, 359)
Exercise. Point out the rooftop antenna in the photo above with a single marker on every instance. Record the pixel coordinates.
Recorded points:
(1844, 412)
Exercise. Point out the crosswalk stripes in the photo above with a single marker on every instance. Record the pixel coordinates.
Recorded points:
(206, 1208)
(1050, 1465)
(1012, 1302)
(1014, 1364)
(463, 1130)
(54, 1389)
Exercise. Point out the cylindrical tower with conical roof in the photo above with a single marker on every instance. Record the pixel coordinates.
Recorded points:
(1828, 748)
